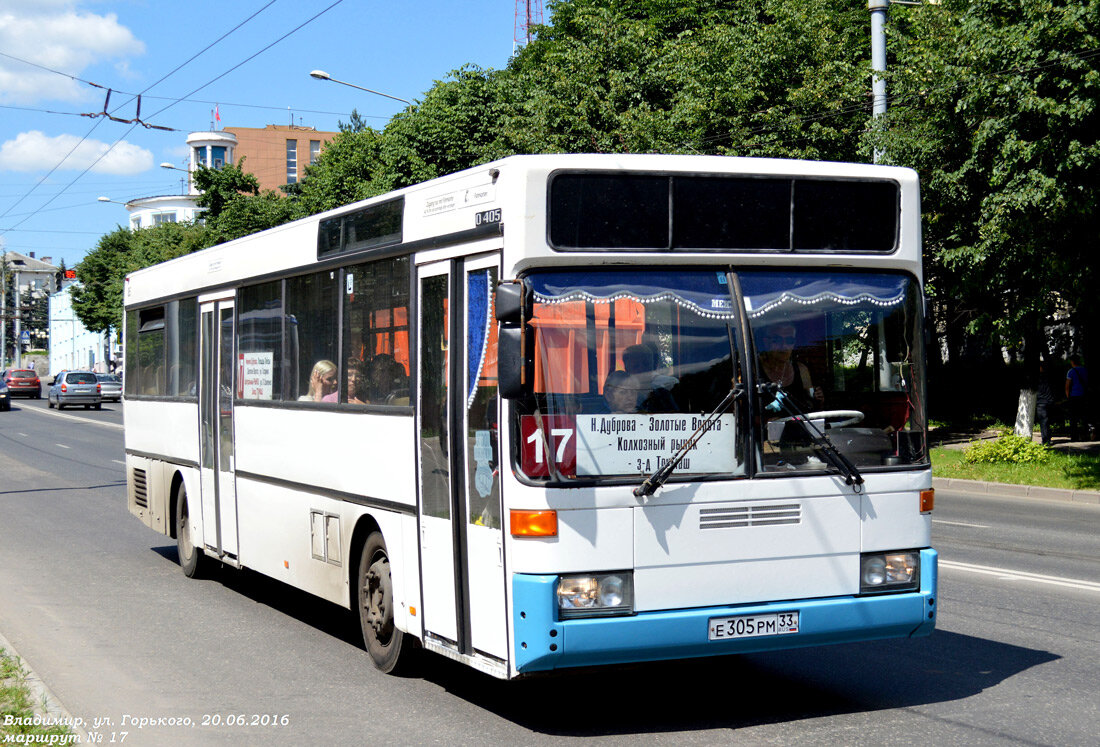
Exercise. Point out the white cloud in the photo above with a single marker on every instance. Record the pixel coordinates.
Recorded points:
(35, 151)
(58, 35)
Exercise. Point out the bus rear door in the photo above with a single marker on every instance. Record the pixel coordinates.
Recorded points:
(216, 382)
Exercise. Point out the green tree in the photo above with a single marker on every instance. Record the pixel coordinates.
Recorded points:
(344, 173)
(98, 296)
(219, 187)
(996, 107)
(235, 206)
(762, 77)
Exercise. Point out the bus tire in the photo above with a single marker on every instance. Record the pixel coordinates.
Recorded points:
(192, 560)
(383, 640)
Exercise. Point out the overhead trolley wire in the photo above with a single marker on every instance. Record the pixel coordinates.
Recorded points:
(162, 110)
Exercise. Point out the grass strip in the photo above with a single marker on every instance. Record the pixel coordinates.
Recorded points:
(19, 722)
(1064, 471)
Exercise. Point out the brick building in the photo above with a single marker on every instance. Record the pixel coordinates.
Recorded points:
(278, 154)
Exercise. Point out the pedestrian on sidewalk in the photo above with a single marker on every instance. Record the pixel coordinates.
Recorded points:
(1077, 388)
(1044, 401)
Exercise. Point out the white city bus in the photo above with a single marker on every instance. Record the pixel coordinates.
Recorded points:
(557, 410)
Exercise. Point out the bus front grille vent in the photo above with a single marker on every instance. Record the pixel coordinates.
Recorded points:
(750, 516)
(141, 491)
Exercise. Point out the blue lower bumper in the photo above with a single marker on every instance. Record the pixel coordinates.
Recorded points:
(544, 642)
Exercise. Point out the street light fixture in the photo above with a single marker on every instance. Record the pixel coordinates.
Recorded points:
(108, 199)
(322, 75)
(184, 183)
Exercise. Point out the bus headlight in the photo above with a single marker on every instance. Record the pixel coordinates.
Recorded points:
(596, 594)
(889, 571)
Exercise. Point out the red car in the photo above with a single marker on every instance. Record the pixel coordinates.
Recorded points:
(23, 382)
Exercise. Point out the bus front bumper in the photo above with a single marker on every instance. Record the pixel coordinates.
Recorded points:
(543, 642)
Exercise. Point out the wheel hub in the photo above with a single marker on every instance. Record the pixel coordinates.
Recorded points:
(377, 598)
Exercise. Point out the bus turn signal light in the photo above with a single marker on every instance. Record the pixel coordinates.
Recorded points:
(927, 500)
(534, 523)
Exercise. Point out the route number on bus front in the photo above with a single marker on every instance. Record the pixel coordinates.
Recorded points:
(555, 440)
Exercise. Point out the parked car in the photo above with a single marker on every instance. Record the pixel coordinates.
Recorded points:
(110, 387)
(75, 388)
(22, 382)
(5, 398)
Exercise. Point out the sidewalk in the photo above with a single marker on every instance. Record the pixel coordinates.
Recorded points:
(952, 440)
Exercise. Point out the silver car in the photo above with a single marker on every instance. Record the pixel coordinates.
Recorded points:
(110, 387)
(75, 388)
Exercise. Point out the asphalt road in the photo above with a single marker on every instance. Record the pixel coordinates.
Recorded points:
(98, 607)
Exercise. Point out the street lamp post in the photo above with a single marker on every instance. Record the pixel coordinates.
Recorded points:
(184, 185)
(878, 10)
(322, 75)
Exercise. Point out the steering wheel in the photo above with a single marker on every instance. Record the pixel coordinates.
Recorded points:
(846, 417)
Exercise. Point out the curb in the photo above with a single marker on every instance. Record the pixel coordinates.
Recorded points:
(46, 704)
(1019, 491)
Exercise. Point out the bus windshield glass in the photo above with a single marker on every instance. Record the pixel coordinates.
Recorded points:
(845, 348)
(627, 365)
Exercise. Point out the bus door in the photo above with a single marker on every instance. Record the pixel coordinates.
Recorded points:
(462, 552)
(219, 495)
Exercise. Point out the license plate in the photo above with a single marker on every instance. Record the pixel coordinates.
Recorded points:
(752, 626)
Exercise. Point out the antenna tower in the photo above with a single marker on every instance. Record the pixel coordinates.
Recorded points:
(528, 14)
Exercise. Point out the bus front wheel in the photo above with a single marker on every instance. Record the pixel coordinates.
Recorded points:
(192, 560)
(382, 638)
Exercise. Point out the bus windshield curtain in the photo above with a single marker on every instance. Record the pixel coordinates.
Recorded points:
(766, 291)
(480, 313)
(703, 293)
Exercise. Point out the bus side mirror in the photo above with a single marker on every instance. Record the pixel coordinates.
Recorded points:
(510, 312)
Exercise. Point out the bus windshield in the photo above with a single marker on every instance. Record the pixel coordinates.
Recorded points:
(845, 348)
(628, 364)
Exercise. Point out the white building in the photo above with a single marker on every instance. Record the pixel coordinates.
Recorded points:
(28, 280)
(146, 212)
(210, 149)
(71, 345)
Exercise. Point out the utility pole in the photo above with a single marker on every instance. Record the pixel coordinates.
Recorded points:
(878, 61)
(18, 313)
(4, 310)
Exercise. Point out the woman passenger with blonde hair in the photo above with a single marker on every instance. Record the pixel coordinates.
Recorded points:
(322, 381)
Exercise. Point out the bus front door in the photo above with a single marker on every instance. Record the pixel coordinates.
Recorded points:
(219, 495)
(462, 557)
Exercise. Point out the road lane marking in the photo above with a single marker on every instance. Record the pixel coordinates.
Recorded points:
(960, 524)
(63, 446)
(104, 423)
(1008, 575)
(116, 461)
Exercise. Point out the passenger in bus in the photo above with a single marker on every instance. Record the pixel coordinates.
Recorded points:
(322, 381)
(779, 366)
(654, 388)
(641, 360)
(355, 383)
(386, 380)
(620, 392)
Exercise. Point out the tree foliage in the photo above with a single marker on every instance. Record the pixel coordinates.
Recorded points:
(993, 102)
(997, 110)
(98, 297)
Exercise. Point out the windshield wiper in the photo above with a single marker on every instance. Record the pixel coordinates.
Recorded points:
(658, 478)
(828, 449)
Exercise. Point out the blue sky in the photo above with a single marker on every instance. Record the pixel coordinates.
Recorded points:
(399, 48)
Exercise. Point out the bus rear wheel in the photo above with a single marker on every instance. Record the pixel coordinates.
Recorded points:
(192, 560)
(383, 640)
